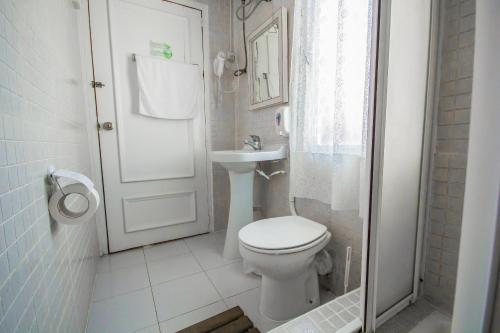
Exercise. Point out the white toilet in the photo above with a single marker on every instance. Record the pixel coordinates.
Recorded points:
(283, 251)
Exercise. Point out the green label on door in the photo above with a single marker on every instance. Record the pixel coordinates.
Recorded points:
(160, 50)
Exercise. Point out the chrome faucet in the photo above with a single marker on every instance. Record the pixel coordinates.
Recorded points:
(255, 142)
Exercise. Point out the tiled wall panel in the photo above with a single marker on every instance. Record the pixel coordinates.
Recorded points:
(221, 108)
(46, 269)
(450, 152)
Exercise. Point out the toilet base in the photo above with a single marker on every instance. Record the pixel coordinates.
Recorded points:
(286, 299)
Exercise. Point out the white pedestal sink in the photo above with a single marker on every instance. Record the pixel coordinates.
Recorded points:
(241, 167)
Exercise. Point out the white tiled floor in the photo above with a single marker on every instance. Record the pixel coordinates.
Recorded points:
(171, 286)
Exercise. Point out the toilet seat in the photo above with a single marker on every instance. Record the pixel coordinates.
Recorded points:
(282, 235)
(288, 250)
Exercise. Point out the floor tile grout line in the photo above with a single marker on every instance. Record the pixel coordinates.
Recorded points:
(176, 279)
(110, 270)
(147, 265)
(132, 291)
(208, 277)
(92, 300)
(173, 256)
(196, 309)
(221, 299)
(121, 269)
(242, 292)
(224, 301)
(143, 328)
(151, 289)
(119, 295)
(194, 255)
(238, 294)
(167, 258)
(213, 285)
(203, 270)
(226, 264)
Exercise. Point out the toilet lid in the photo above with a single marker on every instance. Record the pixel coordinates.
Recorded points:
(281, 233)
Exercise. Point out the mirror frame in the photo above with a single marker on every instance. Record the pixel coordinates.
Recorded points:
(280, 17)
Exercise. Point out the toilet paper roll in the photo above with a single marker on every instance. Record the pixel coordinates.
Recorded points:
(73, 203)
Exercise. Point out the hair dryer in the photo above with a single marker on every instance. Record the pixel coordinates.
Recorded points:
(219, 64)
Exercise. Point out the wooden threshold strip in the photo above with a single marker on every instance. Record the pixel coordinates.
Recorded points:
(230, 321)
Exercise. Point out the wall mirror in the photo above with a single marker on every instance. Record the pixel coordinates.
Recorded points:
(268, 62)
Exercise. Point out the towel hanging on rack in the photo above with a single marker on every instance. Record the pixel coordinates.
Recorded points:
(168, 89)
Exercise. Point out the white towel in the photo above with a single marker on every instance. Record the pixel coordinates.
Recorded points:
(168, 89)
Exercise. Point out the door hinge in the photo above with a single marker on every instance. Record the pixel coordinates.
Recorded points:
(97, 84)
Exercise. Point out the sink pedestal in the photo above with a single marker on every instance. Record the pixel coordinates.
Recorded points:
(240, 210)
(241, 166)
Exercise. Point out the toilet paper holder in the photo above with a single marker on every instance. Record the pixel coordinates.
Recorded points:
(54, 175)
(53, 178)
(79, 185)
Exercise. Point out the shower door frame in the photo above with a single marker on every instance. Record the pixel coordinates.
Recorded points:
(381, 10)
(85, 35)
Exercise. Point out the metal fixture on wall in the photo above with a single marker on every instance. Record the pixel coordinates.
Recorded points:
(242, 15)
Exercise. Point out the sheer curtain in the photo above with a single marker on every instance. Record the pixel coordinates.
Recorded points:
(329, 94)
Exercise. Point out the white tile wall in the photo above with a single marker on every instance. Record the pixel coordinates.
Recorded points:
(46, 270)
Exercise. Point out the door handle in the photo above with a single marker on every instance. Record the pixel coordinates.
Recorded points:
(108, 126)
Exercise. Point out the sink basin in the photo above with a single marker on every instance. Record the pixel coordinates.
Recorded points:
(268, 153)
(241, 166)
(245, 160)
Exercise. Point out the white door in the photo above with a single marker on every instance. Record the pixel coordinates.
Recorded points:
(154, 170)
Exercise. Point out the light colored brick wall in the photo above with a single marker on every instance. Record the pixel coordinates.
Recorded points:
(272, 197)
(450, 152)
(46, 269)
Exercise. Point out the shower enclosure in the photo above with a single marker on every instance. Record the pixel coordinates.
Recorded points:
(401, 132)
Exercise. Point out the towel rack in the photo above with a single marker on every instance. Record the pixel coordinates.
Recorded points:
(134, 59)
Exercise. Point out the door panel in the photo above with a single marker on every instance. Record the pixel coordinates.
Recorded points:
(138, 136)
(153, 211)
(130, 34)
(402, 151)
(154, 170)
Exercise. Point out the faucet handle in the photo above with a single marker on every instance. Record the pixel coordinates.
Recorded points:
(255, 138)
(255, 142)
